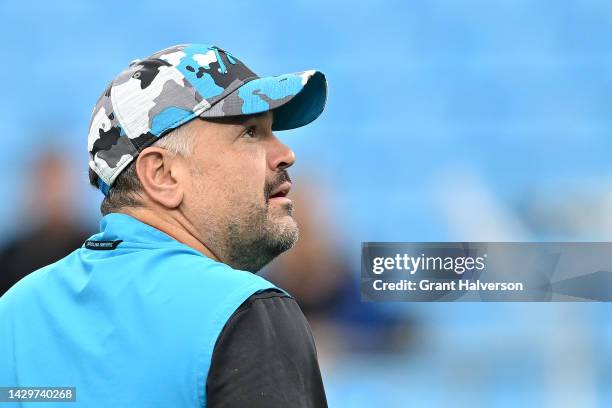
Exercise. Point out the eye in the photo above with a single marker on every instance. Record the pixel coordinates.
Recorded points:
(250, 132)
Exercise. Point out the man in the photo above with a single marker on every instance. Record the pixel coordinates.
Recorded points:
(162, 308)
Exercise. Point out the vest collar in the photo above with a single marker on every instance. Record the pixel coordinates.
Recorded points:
(116, 226)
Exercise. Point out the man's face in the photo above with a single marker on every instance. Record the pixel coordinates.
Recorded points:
(237, 198)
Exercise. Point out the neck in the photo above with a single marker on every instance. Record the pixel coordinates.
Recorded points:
(171, 226)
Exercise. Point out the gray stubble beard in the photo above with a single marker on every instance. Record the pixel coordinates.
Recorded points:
(256, 240)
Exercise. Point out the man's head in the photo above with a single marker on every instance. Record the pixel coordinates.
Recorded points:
(204, 156)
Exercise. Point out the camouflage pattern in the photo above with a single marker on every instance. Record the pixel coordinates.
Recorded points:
(175, 85)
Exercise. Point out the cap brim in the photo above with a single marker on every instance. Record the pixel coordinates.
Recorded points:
(296, 99)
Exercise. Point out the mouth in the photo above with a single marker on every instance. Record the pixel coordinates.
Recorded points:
(281, 191)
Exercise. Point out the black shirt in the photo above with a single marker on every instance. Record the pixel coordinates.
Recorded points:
(265, 357)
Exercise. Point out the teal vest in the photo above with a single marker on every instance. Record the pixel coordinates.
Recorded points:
(130, 326)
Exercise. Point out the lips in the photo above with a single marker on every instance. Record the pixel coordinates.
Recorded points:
(281, 191)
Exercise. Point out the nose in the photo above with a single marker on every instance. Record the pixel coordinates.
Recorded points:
(280, 156)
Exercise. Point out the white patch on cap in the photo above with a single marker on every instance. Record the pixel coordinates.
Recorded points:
(173, 58)
(306, 75)
(99, 121)
(204, 60)
(132, 104)
(106, 173)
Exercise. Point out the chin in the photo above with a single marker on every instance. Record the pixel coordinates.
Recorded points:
(286, 231)
(286, 224)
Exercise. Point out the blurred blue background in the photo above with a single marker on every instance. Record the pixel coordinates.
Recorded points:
(448, 120)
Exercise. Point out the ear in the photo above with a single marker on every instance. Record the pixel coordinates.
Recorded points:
(159, 173)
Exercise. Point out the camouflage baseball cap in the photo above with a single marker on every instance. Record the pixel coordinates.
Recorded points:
(173, 86)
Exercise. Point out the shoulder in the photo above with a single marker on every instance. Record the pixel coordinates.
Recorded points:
(266, 355)
(275, 319)
(269, 304)
(28, 287)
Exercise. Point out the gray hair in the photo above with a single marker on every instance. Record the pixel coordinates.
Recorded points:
(127, 188)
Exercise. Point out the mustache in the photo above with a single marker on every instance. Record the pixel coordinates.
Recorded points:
(280, 177)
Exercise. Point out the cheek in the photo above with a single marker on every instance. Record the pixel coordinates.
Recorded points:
(234, 179)
(248, 175)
